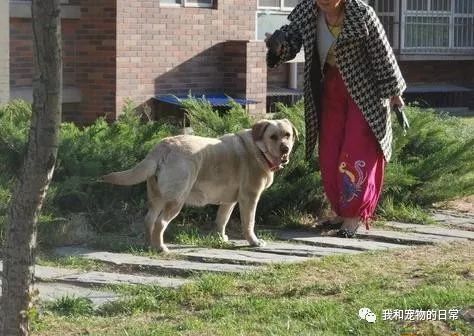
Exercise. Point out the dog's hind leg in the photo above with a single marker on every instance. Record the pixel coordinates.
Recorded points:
(170, 211)
(175, 180)
(222, 218)
(155, 206)
(150, 219)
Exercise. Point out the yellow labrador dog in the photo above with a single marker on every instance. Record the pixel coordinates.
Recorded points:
(186, 169)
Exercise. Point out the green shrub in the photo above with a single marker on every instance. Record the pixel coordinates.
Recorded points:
(89, 152)
(205, 121)
(14, 126)
(432, 163)
(84, 154)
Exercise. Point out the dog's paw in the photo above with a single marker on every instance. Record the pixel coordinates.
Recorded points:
(258, 243)
(224, 237)
(163, 249)
(160, 249)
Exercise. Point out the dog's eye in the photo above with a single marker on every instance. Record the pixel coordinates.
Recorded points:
(287, 135)
(274, 137)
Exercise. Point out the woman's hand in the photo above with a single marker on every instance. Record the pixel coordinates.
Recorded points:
(274, 42)
(397, 101)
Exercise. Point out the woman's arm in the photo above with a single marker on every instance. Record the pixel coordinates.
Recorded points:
(283, 45)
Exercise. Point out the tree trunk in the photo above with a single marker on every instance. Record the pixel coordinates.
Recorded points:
(37, 171)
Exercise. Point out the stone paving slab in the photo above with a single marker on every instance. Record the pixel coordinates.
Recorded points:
(404, 237)
(85, 278)
(236, 256)
(175, 267)
(103, 278)
(353, 243)
(430, 229)
(53, 291)
(48, 273)
(298, 249)
(448, 219)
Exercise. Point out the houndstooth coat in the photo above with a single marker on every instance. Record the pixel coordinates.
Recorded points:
(364, 58)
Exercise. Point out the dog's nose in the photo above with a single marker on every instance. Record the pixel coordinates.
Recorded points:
(284, 149)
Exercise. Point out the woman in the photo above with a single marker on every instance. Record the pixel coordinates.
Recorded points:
(351, 80)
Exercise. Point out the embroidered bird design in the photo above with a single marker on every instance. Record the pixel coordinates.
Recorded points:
(351, 181)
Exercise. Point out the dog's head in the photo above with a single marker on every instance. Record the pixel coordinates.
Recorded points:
(275, 139)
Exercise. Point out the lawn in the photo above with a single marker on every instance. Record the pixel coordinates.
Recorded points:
(319, 297)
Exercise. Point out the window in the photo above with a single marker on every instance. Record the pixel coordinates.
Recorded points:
(272, 14)
(187, 3)
(438, 26)
(386, 11)
(464, 24)
(284, 5)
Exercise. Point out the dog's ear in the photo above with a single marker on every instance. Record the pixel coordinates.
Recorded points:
(296, 134)
(259, 129)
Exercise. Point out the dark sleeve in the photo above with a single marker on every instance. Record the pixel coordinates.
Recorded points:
(389, 77)
(290, 46)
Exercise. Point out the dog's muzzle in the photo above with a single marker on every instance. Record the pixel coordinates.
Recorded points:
(285, 153)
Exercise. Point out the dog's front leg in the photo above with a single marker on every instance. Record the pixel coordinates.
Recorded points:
(223, 215)
(248, 207)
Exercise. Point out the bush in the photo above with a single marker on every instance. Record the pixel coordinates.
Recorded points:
(432, 163)
(14, 127)
(84, 154)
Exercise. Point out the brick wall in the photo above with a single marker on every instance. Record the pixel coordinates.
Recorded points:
(4, 53)
(96, 58)
(234, 67)
(172, 50)
(256, 87)
(455, 72)
(89, 57)
(21, 53)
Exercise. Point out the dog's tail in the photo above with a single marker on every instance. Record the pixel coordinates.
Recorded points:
(135, 175)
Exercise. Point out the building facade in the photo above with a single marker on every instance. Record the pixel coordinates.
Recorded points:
(139, 49)
(4, 53)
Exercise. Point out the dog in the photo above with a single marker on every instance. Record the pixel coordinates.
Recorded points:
(193, 170)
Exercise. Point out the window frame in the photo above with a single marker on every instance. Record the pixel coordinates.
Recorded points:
(451, 15)
(385, 13)
(185, 4)
(281, 8)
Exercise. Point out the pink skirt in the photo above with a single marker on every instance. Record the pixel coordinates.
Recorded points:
(352, 163)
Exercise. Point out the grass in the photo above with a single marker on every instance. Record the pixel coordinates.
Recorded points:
(71, 306)
(319, 297)
(404, 213)
(73, 262)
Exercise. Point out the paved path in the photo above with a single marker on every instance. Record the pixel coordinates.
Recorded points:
(291, 246)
